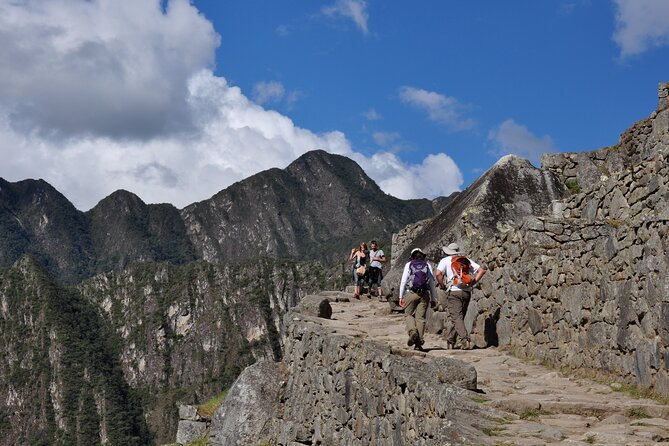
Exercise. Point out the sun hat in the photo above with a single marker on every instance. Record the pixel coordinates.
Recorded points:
(415, 250)
(451, 249)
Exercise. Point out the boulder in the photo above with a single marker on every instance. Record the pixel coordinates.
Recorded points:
(252, 400)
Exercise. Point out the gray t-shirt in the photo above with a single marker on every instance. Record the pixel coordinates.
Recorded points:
(377, 253)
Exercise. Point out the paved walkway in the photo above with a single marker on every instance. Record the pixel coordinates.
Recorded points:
(539, 406)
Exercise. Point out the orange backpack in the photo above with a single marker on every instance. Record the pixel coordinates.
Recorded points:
(461, 275)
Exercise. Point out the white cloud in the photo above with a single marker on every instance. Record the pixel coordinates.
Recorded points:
(640, 25)
(512, 138)
(386, 138)
(371, 115)
(124, 72)
(109, 67)
(434, 176)
(283, 30)
(355, 10)
(441, 109)
(264, 92)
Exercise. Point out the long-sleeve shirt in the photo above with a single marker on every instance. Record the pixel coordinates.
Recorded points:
(430, 280)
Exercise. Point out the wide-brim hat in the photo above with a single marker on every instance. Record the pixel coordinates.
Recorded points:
(452, 249)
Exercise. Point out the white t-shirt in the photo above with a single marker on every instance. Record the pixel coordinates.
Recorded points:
(445, 267)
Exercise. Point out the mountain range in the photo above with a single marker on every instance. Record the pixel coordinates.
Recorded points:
(315, 209)
(112, 317)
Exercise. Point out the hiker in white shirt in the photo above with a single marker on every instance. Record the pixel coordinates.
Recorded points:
(457, 275)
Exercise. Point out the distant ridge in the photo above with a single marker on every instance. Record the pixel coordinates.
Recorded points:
(316, 208)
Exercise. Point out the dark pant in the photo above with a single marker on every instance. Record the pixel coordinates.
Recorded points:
(458, 301)
(375, 277)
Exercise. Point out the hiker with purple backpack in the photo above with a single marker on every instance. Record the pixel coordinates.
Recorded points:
(417, 291)
(457, 275)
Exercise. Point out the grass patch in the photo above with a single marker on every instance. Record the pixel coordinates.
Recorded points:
(573, 186)
(638, 392)
(590, 439)
(638, 413)
(530, 414)
(198, 442)
(478, 399)
(492, 431)
(208, 408)
(613, 222)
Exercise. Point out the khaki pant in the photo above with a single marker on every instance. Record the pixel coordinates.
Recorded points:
(457, 304)
(415, 311)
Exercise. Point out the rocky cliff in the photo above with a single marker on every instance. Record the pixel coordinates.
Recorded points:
(119, 352)
(174, 327)
(62, 381)
(579, 279)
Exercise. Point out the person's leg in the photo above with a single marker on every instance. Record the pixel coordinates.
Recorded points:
(379, 278)
(454, 307)
(412, 301)
(421, 311)
(458, 302)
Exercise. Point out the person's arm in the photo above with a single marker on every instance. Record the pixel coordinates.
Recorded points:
(382, 257)
(433, 289)
(440, 279)
(352, 254)
(478, 270)
(479, 274)
(439, 274)
(403, 283)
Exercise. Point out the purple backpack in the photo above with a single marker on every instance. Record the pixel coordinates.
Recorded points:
(418, 274)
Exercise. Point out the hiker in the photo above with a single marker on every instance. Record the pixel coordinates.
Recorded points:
(376, 258)
(360, 265)
(457, 275)
(419, 288)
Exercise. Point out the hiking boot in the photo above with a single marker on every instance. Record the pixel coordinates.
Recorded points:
(450, 344)
(467, 344)
(419, 346)
(414, 338)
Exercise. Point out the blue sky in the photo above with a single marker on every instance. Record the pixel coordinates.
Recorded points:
(175, 100)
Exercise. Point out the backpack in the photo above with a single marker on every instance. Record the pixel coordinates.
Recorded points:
(418, 274)
(460, 265)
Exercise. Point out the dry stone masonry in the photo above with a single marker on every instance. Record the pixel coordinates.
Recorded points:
(587, 286)
(339, 388)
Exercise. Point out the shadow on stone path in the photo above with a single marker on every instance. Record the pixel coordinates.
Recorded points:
(538, 405)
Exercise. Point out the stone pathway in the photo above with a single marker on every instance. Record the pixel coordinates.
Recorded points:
(537, 406)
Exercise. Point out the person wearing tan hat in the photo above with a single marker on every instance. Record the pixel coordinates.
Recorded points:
(457, 275)
(417, 291)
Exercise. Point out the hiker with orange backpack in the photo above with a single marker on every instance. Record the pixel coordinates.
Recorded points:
(456, 275)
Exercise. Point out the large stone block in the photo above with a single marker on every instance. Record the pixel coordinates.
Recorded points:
(189, 431)
(252, 400)
(534, 321)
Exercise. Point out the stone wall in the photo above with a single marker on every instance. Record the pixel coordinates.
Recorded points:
(403, 238)
(588, 288)
(336, 389)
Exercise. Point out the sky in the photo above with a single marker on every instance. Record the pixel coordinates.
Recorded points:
(175, 100)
